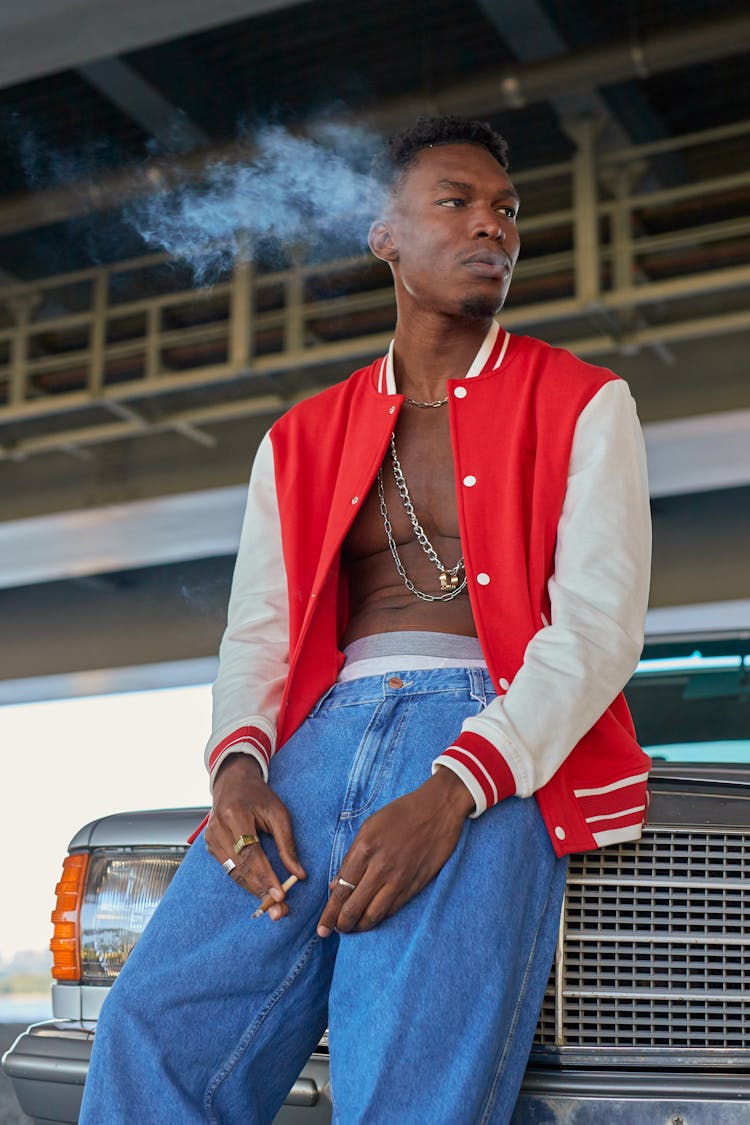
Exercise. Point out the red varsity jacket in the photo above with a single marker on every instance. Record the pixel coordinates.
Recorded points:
(553, 516)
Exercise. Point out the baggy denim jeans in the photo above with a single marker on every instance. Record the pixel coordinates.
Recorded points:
(431, 1014)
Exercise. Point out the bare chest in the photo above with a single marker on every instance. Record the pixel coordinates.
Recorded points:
(424, 478)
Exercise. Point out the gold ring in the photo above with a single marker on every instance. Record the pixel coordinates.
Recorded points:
(244, 842)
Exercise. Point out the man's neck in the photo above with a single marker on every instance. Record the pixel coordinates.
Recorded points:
(429, 352)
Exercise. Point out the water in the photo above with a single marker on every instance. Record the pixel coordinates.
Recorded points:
(25, 1008)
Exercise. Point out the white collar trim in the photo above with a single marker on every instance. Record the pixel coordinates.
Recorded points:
(483, 354)
(386, 374)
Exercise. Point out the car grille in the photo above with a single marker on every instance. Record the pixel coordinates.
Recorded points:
(653, 947)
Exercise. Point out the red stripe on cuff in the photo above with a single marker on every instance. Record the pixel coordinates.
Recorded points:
(479, 777)
(243, 734)
(494, 763)
(613, 802)
(261, 749)
(617, 822)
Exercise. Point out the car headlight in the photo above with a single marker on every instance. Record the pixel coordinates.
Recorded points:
(103, 907)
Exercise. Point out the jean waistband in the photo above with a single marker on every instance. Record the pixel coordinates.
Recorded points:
(475, 682)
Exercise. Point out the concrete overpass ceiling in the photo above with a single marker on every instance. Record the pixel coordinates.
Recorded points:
(166, 122)
(42, 37)
(535, 31)
(304, 57)
(92, 92)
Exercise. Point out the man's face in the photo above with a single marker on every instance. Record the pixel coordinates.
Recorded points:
(453, 235)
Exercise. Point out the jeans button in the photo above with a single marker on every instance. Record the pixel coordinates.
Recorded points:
(395, 682)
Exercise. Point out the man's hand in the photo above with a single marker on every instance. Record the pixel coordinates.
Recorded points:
(245, 805)
(396, 852)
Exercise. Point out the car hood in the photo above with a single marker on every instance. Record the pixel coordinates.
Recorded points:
(682, 795)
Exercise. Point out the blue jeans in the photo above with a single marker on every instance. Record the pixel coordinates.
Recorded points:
(431, 1014)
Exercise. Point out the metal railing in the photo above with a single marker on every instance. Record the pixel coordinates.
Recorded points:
(114, 351)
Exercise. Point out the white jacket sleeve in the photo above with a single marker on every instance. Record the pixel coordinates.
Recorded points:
(254, 653)
(577, 663)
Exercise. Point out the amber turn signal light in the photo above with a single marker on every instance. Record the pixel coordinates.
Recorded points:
(66, 960)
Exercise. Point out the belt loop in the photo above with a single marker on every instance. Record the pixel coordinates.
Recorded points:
(476, 685)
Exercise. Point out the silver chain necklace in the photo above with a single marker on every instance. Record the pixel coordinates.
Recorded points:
(449, 580)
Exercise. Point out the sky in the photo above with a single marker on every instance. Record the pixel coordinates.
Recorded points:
(67, 762)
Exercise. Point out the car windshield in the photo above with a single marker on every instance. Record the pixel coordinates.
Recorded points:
(691, 702)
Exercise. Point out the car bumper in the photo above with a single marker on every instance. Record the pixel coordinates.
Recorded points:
(605, 1095)
(48, 1064)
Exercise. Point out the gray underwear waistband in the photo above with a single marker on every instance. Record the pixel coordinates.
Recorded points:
(411, 642)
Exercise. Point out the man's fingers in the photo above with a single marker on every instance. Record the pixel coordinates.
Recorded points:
(252, 868)
(329, 917)
(347, 901)
(379, 907)
(280, 827)
(255, 874)
(278, 910)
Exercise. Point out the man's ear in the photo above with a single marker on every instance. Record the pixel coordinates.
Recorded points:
(380, 240)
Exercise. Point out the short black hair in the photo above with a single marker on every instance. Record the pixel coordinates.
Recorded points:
(401, 150)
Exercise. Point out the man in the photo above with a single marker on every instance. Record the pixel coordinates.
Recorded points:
(439, 595)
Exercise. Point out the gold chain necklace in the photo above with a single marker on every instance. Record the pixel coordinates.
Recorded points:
(428, 405)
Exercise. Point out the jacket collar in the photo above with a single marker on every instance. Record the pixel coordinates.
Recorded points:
(489, 358)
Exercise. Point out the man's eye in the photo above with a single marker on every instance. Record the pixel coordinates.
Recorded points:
(511, 212)
(451, 202)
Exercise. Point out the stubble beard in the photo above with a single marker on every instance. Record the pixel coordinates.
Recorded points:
(478, 307)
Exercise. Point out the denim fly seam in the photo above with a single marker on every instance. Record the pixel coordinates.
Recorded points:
(380, 743)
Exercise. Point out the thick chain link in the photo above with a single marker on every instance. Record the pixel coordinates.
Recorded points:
(403, 491)
(428, 405)
(419, 533)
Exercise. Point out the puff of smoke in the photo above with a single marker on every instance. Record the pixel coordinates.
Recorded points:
(309, 194)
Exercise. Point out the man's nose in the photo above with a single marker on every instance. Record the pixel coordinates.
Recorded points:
(490, 227)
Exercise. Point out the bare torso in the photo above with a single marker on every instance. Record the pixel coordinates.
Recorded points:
(380, 602)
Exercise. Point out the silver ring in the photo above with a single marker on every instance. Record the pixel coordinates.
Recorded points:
(351, 886)
(229, 866)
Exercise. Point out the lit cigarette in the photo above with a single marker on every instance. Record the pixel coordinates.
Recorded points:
(268, 902)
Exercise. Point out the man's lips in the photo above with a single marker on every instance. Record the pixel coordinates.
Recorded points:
(489, 264)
